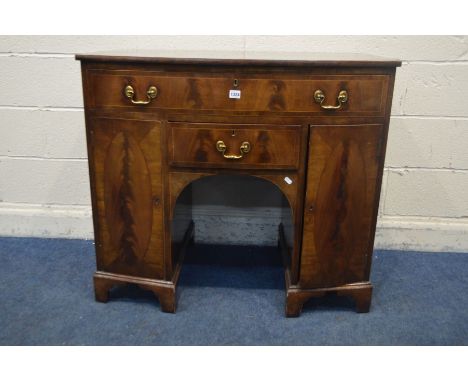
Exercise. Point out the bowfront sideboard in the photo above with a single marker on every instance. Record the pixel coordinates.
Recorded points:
(314, 126)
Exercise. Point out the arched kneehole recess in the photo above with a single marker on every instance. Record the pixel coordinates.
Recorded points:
(233, 211)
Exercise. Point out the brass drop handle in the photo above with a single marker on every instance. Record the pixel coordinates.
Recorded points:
(319, 97)
(244, 149)
(151, 93)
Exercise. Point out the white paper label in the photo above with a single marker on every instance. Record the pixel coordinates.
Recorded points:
(288, 180)
(234, 94)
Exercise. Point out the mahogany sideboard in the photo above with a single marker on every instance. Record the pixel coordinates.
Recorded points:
(314, 126)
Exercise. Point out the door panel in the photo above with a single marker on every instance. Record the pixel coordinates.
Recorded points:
(126, 162)
(340, 204)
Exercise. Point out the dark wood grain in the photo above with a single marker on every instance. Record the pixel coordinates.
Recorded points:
(341, 186)
(276, 93)
(164, 291)
(128, 191)
(241, 58)
(271, 146)
(144, 158)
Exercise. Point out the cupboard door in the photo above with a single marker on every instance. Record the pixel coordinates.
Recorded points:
(340, 205)
(125, 163)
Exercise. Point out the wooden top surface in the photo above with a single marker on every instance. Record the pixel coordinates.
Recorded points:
(232, 58)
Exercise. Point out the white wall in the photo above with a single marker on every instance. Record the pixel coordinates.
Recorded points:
(44, 189)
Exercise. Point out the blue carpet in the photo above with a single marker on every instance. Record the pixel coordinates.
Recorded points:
(227, 296)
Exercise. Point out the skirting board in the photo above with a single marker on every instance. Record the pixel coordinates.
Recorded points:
(252, 226)
(26, 220)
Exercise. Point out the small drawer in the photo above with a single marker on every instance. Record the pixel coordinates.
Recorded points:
(317, 94)
(234, 145)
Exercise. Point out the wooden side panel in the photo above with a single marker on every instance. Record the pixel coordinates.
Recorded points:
(180, 222)
(126, 160)
(340, 204)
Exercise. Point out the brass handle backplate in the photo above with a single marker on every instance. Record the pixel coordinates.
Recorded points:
(151, 93)
(319, 97)
(244, 149)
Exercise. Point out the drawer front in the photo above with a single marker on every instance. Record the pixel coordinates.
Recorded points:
(366, 94)
(234, 146)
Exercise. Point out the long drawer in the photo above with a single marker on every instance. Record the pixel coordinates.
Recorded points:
(146, 90)
(234, 145)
